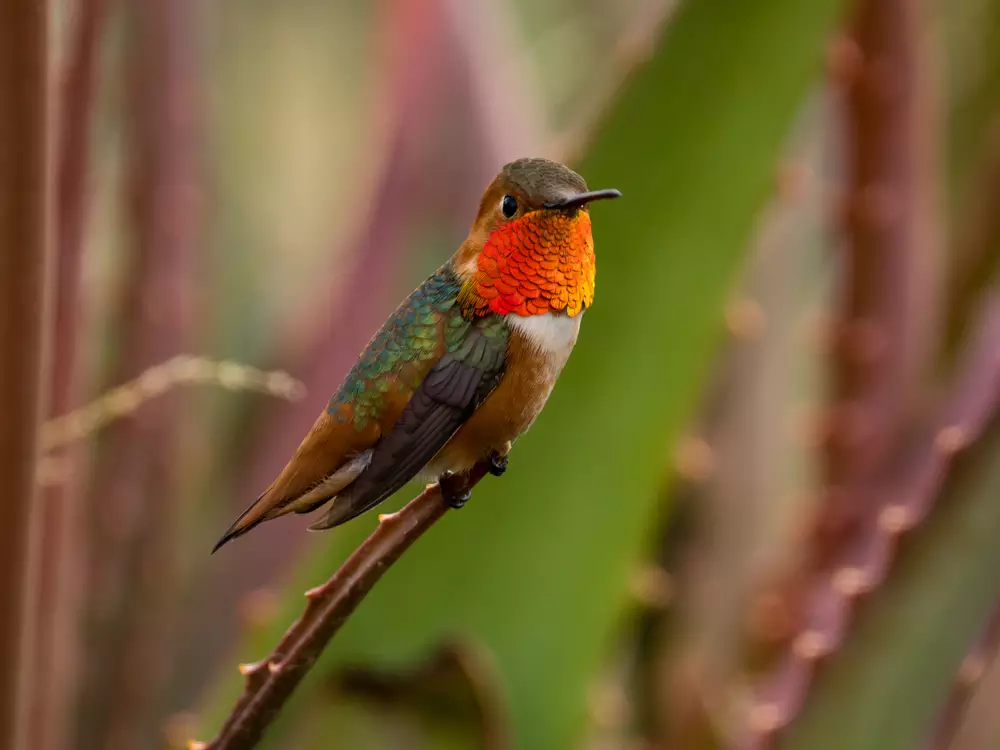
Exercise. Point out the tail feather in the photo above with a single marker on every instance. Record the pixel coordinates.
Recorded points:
(344, 507)
(274, 502)
(241, 525)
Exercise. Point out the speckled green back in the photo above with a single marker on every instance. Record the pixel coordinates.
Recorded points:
(405, 348)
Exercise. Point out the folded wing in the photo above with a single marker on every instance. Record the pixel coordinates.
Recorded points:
(449, 394)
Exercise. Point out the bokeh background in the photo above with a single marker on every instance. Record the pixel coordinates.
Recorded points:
(762, 508)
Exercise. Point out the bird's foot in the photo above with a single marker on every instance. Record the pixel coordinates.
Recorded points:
(497, 463)
(453, 490)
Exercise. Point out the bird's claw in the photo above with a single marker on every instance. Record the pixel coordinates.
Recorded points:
(497, 463)
(453, 496)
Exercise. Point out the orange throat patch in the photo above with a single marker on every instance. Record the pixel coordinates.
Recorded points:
(540, 263)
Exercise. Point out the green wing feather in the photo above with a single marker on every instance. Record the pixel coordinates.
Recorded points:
(458, 382)
(405, 348)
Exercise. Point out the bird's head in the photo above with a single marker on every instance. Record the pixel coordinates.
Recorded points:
(530, 250)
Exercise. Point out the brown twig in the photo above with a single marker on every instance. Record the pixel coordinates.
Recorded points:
(24, 240)
(269, 683)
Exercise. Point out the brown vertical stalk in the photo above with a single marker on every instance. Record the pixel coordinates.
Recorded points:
(58, 553)
(886, 240)
(24, 201)
(881, 337)
(134, 494)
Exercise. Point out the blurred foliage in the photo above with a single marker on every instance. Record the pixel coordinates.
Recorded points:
(305, 151)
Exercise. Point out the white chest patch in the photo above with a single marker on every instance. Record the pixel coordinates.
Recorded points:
(554, 335)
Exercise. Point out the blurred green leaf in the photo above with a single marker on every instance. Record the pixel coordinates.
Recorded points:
(884, 689)
(536, 566)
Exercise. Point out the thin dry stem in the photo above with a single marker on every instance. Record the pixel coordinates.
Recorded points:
(155, 381)
(270, 682)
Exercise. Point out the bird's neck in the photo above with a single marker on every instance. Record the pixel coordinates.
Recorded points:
(532, 266)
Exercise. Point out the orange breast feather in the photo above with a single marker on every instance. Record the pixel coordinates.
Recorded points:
(542, 262)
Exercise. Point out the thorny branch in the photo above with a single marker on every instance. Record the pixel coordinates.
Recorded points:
(878, 347)
(269, 683)
(903, 494)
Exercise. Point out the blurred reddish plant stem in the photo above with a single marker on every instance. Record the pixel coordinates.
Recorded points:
(24, 209)
(57, 552)
(133, 502)
(269, 683)
(882, 333)
(879, 335)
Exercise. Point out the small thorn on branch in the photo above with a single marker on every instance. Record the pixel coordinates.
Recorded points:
(328, 608)
(314, 593)
(249, 669)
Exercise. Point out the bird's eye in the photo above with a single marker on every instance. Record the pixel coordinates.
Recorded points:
(508, 206)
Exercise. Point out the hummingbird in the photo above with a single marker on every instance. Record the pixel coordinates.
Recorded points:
(463, 366)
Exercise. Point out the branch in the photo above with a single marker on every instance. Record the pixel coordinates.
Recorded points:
(269, 683)
(881, 338)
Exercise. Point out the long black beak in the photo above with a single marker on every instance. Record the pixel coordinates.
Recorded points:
(581, 199)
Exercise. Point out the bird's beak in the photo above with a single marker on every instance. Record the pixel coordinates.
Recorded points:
(581, 199)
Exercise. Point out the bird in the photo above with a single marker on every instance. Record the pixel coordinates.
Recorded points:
(463, 366)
